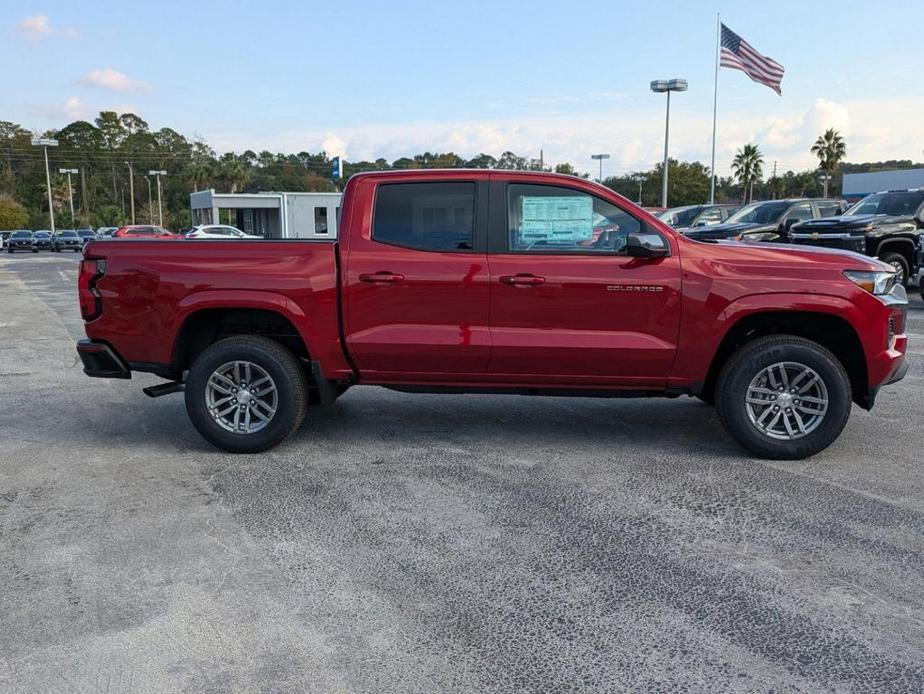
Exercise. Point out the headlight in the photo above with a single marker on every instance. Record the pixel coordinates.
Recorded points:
(758, 236)
(875, 282)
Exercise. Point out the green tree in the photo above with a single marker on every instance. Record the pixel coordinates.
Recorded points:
(830, 149)
(748, 168)
(12, 214)
(509, 160)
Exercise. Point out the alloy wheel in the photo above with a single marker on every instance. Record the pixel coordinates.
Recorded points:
(241, 397)
(786, 400)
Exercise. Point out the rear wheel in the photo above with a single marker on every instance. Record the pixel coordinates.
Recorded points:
(783, 397)
(246, 394)
(898, 262)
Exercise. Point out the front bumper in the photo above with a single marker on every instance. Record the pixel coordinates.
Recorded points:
(101, 361)
(890, 365)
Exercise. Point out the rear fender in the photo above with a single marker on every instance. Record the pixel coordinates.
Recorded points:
(244, 299)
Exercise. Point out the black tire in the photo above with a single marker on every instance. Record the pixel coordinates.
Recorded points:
(287, 374)
(897, 260)
(745, 365)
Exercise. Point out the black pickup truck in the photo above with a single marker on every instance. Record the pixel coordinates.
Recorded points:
(886, 225)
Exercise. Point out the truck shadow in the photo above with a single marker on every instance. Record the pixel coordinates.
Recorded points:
(380, 422)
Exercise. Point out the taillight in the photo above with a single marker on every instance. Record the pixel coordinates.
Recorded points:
(91, 304)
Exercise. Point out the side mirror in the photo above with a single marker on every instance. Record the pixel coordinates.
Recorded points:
(787, 224)
(641, 244)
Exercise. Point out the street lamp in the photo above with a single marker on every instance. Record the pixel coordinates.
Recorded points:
(45, 143)
(160, 209)
(824, 178)
(641, 178)
(70, 191)
(668, 86)
(131, 187)
(600, 158)
(147, 180)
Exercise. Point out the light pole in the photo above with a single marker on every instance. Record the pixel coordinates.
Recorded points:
(668, 86)
(147, 180)
(70, 191)
(641, 179)
(824, 178)
(131, 187)
(600, 158)
(45, 143)
(160, 209)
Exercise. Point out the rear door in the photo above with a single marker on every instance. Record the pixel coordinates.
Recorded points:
(416, 280)
(568, 306)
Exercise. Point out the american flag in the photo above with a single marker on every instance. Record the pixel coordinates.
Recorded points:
(740, 55)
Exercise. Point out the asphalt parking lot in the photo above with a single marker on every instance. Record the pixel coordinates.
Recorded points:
(407, 543)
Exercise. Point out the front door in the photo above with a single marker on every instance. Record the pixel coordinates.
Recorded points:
(416, 283)
(568, 306)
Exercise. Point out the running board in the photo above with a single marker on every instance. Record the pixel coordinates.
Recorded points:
(164, 389)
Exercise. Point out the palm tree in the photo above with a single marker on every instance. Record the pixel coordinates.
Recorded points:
(748, 167)
(830, 149)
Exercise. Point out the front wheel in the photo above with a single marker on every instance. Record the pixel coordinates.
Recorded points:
(898, 262)
(246, 394)
(783, 397)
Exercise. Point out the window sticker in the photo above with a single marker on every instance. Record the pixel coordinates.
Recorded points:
(560, 221)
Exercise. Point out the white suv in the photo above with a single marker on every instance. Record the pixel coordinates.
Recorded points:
(218, 231)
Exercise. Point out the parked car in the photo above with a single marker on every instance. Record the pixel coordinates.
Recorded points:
(106, 231)
(768, 220)
(67, 240)
(41, 239)
(218, 231)
(436, 285)
(6, 233)
(21, 241)
(87, 235)
(886, 225)
(696, 215)
(141, 231)
(919, 264)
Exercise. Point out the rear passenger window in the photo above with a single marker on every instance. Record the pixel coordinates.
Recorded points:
(425, 216)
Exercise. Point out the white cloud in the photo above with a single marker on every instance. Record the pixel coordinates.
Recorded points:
(874, 130)
(72, 109)
(37, 27)
(113, 80)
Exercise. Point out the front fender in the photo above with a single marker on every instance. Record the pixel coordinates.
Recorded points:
(705, 325)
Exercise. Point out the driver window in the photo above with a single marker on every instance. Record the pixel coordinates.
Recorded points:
(551, 219)
(799, 212)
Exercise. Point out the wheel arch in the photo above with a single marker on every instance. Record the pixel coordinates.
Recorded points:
(207, 317)
(827, 329)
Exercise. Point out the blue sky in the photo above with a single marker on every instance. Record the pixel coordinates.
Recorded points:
(369, 79)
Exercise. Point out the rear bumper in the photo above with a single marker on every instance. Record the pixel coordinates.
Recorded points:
(101, 361)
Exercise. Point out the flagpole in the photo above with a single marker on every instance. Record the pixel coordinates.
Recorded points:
(715, 104)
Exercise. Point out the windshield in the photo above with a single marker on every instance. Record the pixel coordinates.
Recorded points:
(69, 234)
(680, 217)
(22, 235)
(759, 213)
(86, 232)
(43, 233)
(904, 203)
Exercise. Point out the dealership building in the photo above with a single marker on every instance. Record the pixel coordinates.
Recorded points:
(271, 215)
(858, 185)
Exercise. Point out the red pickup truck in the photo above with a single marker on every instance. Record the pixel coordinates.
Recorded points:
(496, 281)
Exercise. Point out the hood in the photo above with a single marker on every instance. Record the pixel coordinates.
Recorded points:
(787, 254)
(850, 222)
(726, 231)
